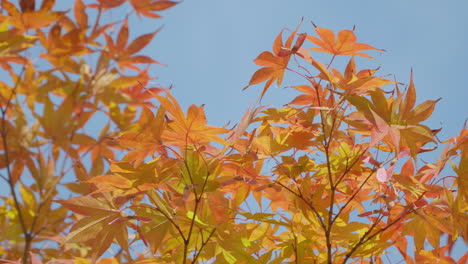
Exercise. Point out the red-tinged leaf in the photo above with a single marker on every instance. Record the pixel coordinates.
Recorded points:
(27, 5)
(403, 154)
(284, 52)
(143, 59)
(261, 75)
(422, 111)
(299, 41)
(410, 98)
(420, 203)
(47, 5)
(366, 214)
(124, 64)
(142, 94)
(80, 14)
(11, 261)
(366, 73)
(140, 218)
(350, 70)
(148, 7)
(122, 37)
(379, 130)
(290, 39)
(161, 5)
(370, 160)
(384, 175)
(106, 4)
(118, 220)
(395, 135)
(115, 180)
(345, 44)
(463, 259)
(408, 168)
(140, 42)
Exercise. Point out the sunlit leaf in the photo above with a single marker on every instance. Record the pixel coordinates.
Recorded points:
(344, 44)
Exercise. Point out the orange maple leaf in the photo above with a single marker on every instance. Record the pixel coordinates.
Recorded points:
(149, 7)
(107, 4)
(274, 64)
(345, 44)
(188, 129)
(124, 53)
(31, 19)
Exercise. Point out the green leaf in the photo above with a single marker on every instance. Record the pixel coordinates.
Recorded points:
(190, 215)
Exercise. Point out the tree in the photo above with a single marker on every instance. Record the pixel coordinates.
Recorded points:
(334, 176)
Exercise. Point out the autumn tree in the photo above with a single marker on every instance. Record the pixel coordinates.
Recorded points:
(100, 166)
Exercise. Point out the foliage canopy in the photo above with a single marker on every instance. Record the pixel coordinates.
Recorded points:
(334, 176)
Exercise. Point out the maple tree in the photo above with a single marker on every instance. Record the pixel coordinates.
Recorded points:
(334, 176)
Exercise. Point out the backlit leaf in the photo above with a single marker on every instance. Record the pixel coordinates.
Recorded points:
(344, 44)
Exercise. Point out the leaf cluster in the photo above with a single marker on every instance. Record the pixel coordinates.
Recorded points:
(333, 176)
